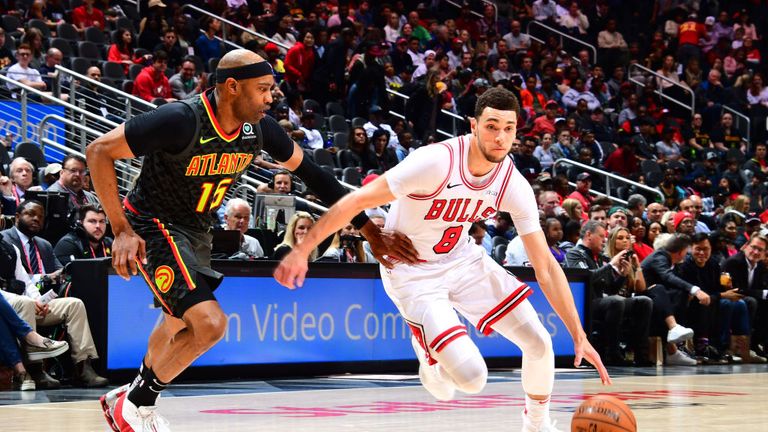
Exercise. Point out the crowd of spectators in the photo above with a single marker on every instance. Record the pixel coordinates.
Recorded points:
(656, 254)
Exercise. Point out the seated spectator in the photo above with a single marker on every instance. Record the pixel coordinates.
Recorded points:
(187, 83)
(207, 46)
(13, 329)
(748, 271)
(121, 50)
(638, 230)
(385, 156)
(282, 183)
(71, 182)
(237, 217)
(40, 263)
(86, 15)
(34, 38)
(151, 84)
(617, 216)
(284, 33)
(670, 296)
(295, 232)
(49, 73)
(544, 152)
(375, 121)
(500, 226)
(313, 138)
(564, 147)
(605, 279)
(667, 149)
(477, 232)
(624, 161)
(6, 56)
(574, 210)
(637, 308)
(583, 184)
(579, 92)
(726, 313)
(171, 47)
(87, 239)
(22, 174)
(23, 72)
(553, 232)
(300, 62)
(347, 247)
(97, 101)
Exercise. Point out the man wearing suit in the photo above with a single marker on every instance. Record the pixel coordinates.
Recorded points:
(750, 276)
(71, 182)
(38, 261)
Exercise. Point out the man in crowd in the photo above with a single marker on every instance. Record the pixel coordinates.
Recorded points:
(617, 216)
(583, 184)
(187, 83)
(610, 302)
(237, 216)
(87, 239)
(654, 212)
(151, 84)
(749, 275)
(71, 182)
(41, 264)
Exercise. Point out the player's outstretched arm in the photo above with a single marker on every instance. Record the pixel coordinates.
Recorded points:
(293, 268)
(101, 156)
(384, 244)
(554, 285)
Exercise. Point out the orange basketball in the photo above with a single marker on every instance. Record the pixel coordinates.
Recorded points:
(603, 414)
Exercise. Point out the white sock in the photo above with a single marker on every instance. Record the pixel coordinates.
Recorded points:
(536, 410)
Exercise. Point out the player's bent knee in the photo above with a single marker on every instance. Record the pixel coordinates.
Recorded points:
(471, 375)
(210, 328)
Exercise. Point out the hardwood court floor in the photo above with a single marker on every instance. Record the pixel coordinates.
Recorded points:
(710, 398)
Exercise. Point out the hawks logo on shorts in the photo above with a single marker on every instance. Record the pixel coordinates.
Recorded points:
(164, 278)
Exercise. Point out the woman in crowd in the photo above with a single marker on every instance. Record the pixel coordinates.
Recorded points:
(637, 308)
(544, 153)
(347, 247)
(297, 228)
(638, 230)
(553, 232)
(360, 153)
(574, 210)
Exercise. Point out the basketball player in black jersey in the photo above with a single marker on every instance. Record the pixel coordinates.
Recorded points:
(194, 151)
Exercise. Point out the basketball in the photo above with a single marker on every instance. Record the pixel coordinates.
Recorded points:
(603, 414)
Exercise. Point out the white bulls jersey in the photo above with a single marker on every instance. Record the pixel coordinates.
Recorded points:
(438, 199)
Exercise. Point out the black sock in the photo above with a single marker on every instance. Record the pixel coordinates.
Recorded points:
(142, 368)
(145, 393)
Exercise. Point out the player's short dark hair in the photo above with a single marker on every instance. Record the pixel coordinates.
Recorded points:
(83, 211)
(497, 98)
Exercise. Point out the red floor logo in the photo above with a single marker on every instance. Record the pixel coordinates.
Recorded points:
(559, 401)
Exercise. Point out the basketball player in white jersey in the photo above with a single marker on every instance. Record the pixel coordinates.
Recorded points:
(438, 191)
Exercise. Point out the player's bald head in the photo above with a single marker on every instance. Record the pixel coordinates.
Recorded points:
(239, 57)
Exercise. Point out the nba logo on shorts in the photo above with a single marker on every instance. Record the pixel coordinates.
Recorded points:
(164, 278)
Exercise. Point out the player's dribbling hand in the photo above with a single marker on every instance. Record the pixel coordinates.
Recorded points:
(127, 248)
(584, 350)
(292, 270)
(390, 247)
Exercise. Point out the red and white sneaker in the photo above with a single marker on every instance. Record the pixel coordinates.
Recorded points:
(108, 403)
(130, 418)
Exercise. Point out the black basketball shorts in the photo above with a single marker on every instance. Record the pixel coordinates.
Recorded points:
(178, 268)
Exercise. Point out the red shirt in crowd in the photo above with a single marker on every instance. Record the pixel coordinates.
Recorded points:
(299, 63)
(690, 32)
(82, 19)
(150, 84)
(623, 163)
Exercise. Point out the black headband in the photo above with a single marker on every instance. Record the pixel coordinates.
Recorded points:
(253, 70)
